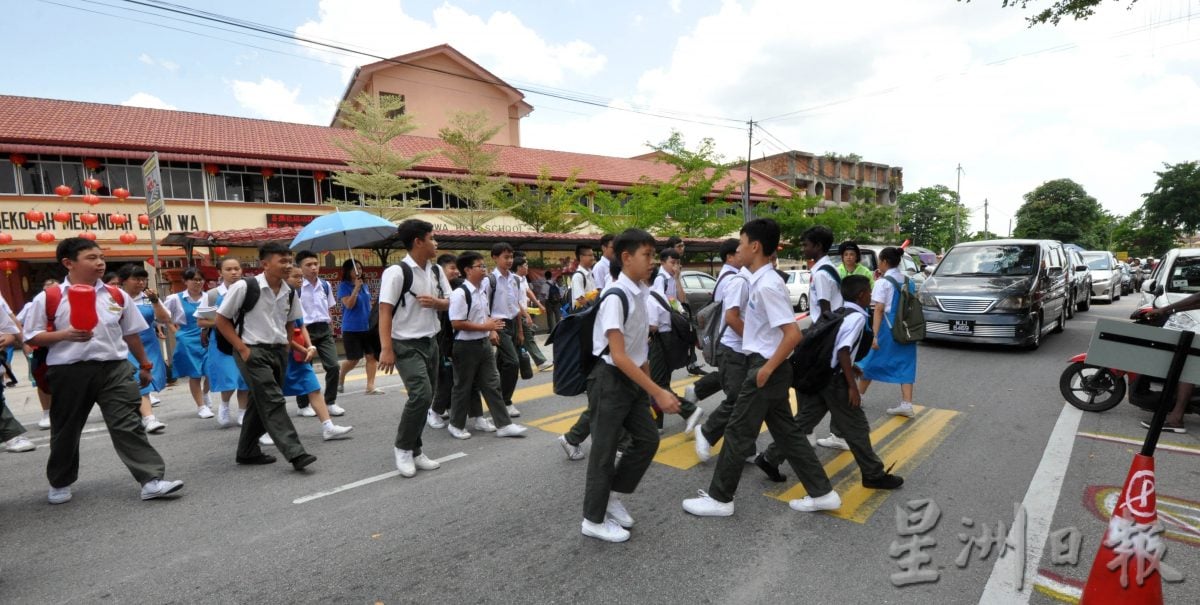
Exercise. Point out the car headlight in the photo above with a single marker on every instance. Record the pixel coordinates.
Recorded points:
(1013, 303)
(1182, 322)
(927, 299)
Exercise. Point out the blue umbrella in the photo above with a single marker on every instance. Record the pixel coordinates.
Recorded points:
(352, 229)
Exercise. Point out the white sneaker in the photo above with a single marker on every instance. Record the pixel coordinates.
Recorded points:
(425, 463)
(152, 424)
(689, 393)
(703, 449)
(574, 452)
(336, 410)
(705, 506)
(241, 416)
(157, 488)
(512, 430)
(608, 531)
(833, 442)
(204, 412)
(434, 420)
(545, 365)
(404, 462)
(336, 432)
(59, 495)
(617, 512)
(223, 418)
(513, 412)
(307, 412)
(19, 444)
(456, 432)
(44, 423)
(484, 424)
(266, 440)
(904, 409)
(154, 400)
(809, 504)
(693, 421)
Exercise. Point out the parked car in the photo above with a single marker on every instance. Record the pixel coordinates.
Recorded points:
(1010, 291)
(797, 282)
(869, 256)
(1176, 277)
(698, 287)
(1081, 282)
(1106, 276)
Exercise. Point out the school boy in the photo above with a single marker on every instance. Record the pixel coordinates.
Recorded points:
(619, 389)
(600, 272)
(507, 305)
(475, 333)
(521, 268)
(260, 352)
(91, 366)
(841, 398)
(657, 303)
(825, 292)
(410, 326)
(440, 411)
(769, 335)
(316, 299)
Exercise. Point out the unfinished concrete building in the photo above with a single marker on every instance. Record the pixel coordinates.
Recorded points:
(832, 177)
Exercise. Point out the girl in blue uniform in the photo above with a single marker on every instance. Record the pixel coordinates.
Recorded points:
(221, 369)
(299, 377)
(190, 355)
(890, 361)
(133, 282)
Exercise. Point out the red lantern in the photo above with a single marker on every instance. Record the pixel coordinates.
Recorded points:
(35, 216)
(17, 158)
(150, 261)
(45, 237)
(83, 306)
(143, 219)
(62, 191)
(93, 183)
(117, 219)
(128, 238)
(61, 216)
(91, 199)
(88, 218)
(87, 235)
(92, 164)
(121, 193)
(212, 169)
(319, 175)
(5, 238)
(9, 265)
(221, 250)
(268, 173)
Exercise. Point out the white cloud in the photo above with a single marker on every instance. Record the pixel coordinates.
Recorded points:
(143, 99)
(676, 6)
(170, 66)
(273, 100)
(501, 42)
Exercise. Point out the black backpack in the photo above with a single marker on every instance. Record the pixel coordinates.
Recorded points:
(810, 361)
(572, 340)
(680, 340)
(405, 288)
(252, 295)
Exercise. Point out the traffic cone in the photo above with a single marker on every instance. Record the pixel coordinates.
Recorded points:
(1135, 504)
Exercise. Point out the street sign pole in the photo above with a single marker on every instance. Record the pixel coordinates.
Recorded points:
(155, 207)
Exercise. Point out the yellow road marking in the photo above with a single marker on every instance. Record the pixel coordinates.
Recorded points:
(563, 421)
(679, 450)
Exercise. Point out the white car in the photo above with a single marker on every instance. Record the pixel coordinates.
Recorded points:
(1106, 275)
(797, 282)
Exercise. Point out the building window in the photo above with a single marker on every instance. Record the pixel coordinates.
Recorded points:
(239, 184)
(125, 174)
(8, 177)
(331, 191)
(393, 96)
(42, 173)
(182, 181)
(291, 187)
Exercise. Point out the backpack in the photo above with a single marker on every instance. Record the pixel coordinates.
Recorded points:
(572, 340)
(554, 294)
(810, 361)
(53, 300)
(710, 324)
(680, 340)
(568, 307)
(252, 295)
(910, 317)
(405, 288)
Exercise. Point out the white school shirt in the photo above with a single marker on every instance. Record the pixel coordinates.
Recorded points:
(669, 285)
(733, 294)
(175, 307)
(316, 300)
(411, 320)
(658, 317)
(478, 313)
(7, 325)
(508, 295)
(600, 273)
(883, 291)
(768, 309)
(582, 282)
(635, 327)
(824, 287)
(108, 337)
(267, 322)
(849, 333)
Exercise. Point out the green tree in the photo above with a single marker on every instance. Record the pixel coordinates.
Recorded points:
(479, 189)
(1061, 209)
(1175, 201)
(697, 196)
(927, 217)
(979, 236)
(874, 223)
(795, 214)
(1142, 237)
(1077, 10)
(550, 206)
(638, 207)
(374, 165)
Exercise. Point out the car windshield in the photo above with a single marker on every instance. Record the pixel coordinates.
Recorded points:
(989, 261)
(1098, 262)
(1185, 275)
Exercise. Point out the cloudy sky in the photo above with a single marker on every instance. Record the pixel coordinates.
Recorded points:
(922, 84)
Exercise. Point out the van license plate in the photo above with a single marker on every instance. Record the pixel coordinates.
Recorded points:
(962, 326)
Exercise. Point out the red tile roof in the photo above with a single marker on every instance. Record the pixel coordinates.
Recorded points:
(27, 122)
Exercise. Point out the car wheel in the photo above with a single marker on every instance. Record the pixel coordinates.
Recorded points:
(1037, 334)
(803, 306)
(1062, 321)
(1071, 307)
(1086, 303)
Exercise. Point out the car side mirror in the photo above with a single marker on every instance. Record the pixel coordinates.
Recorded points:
(1081, 268)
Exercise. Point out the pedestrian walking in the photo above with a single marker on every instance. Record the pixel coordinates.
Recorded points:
(439, 413)
(825, 294)
(658, 307)
(300, 381)
(37, 362)
(582, 281)
(506, 304)
(12, 433)
(359, 341)
(190, 355)
(890, 361)
(133, 281)
(220, 367)
(521, 268)
(600, 271)
(316, 299)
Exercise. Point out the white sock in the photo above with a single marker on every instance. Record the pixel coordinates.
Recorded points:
(149, 419)
(45, 413)
(328, 424)
(906, 403)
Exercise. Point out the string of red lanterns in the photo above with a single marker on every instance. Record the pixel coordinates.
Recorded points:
(9, 265)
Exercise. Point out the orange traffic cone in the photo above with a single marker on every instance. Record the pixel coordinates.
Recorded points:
(1126, 565)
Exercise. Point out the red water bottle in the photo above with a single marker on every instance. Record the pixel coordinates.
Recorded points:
(298, 337)
(83, 306)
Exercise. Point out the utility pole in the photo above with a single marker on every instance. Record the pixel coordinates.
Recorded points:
(958, 201)
(985, 217)
(1010, 227)
(746, 190)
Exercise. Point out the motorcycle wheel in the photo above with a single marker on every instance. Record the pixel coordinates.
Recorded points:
(1091, 388)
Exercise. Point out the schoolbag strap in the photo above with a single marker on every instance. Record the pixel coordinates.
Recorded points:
(837, 277)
